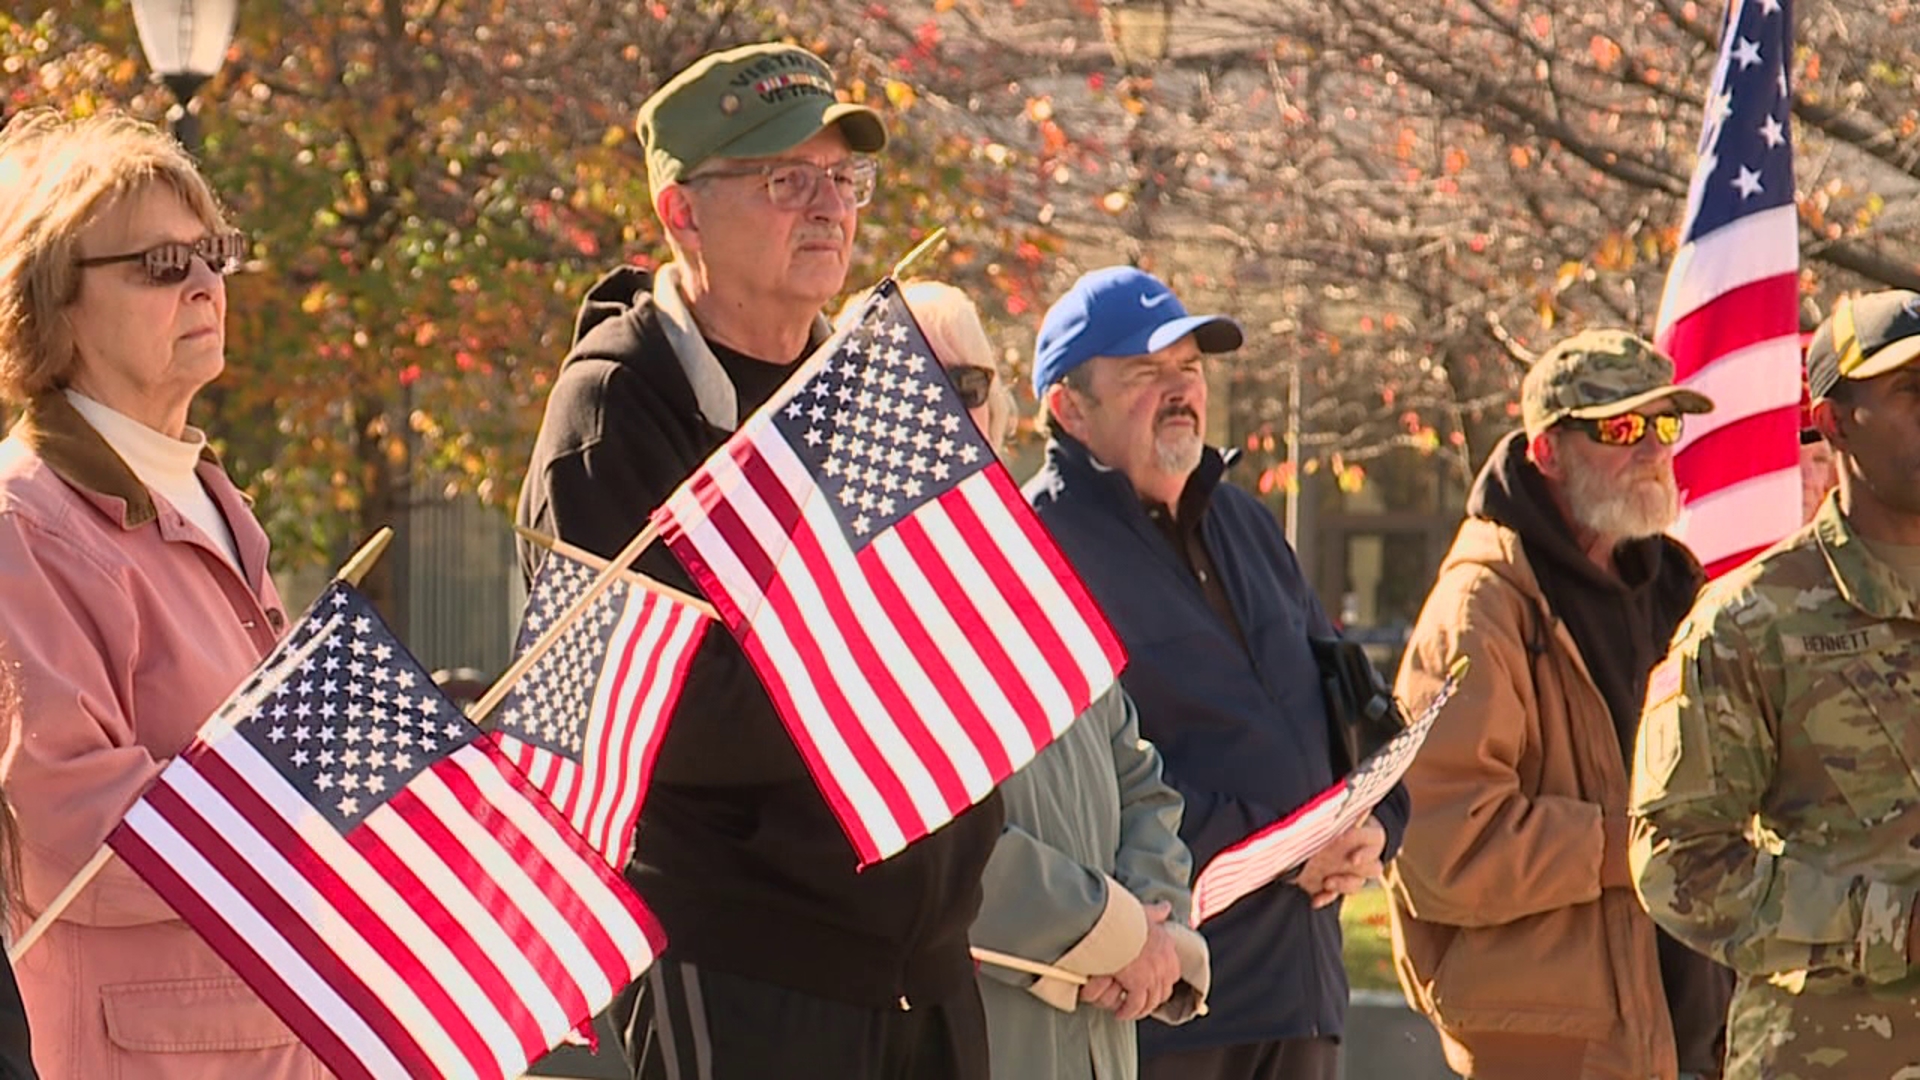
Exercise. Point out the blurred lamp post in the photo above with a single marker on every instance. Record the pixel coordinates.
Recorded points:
(1137, 31)
(185, 42)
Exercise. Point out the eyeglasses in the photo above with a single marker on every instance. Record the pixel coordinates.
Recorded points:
(792, 185)
(1628, 429)
(171, 262)
(972, 383)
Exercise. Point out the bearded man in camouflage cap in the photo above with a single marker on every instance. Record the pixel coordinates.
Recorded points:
(1776, 790)
(1516, 930)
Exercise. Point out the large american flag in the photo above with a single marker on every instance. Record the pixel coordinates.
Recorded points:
(381, 876)
(917, 628)
(585, 721)
(1730, 314)
(1251, 864)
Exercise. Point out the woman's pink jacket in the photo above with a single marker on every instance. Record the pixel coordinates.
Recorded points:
(122, 627)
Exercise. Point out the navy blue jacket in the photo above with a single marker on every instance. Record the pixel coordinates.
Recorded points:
(1242, 729)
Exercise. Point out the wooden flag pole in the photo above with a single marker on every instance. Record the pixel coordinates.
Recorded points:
(1031, 967)
(652, 585)
(355, 568)
(1035, 967)
(601, 583)
(934, 239)
(351, 572)
(60, 903)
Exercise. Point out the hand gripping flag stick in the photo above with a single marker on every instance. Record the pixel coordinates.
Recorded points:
(1045, 971)
(1262, 858)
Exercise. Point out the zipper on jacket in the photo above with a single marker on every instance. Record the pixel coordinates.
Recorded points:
(915, 929)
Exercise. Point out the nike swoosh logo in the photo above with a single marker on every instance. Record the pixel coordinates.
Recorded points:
(1155, 301)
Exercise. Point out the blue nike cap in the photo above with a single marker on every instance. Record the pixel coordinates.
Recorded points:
(1120, 311)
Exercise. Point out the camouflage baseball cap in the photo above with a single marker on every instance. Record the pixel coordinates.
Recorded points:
(1865, 336)
(1600, 373)
(746, 102)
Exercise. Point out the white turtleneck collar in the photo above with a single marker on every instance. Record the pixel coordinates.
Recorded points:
(165, 464)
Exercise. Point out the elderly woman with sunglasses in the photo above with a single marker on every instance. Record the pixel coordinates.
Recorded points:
(1089, 874)
(134, 593)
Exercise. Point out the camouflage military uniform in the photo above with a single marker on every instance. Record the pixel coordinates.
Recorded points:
(1776, 797)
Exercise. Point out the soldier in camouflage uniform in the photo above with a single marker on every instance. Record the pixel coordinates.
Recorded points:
(1776, 788)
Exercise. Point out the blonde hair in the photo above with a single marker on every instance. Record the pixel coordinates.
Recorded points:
(57, 177)
(952, 325)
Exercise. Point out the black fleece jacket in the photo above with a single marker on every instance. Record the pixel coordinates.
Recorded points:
(737, 852)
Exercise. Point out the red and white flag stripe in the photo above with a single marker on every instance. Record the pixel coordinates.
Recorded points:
(1730, 313)
(1249, 865)
(908, 719)
(458, 931)
(1730, 321)
(646, 663)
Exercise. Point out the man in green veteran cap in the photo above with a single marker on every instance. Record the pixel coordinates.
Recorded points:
(781, 960)
(1776, 789)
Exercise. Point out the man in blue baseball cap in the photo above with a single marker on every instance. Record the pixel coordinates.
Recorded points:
(1216, 615)
(1130, 318)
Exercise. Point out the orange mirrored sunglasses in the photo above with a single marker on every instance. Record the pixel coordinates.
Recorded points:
(1628, 429)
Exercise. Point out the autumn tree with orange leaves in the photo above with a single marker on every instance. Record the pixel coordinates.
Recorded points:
(430, 186)
(1403, 201)
(1407, 201)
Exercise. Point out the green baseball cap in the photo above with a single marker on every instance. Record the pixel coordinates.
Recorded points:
(747, 102)
(1600, 373)
(1865, 336)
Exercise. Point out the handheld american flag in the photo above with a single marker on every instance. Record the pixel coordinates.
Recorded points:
(381, 876)
(1730, 315)
(915, 625)
(584, 722)
(1261, 858)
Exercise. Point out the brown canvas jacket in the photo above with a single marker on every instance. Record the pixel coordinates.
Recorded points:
(1515, 925)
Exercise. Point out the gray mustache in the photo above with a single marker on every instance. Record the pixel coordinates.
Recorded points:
(1172, 411)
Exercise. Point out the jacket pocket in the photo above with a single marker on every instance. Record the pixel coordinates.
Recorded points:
(1546, 974)
(204, 1027)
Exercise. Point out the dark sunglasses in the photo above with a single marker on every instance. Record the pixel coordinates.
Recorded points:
(972, 383)
(1628, 429)
(171, 262)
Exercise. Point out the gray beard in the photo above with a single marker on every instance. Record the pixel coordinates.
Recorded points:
(1177, 453)
(1644, 507)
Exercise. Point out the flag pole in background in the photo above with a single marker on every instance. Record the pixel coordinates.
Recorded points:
(1730, 314)
(934, 238)
(351, 572)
